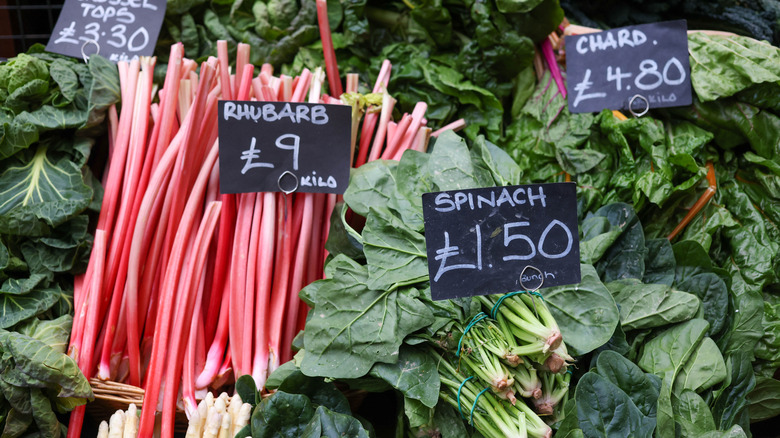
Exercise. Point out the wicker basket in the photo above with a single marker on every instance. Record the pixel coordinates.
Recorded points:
(112, 396)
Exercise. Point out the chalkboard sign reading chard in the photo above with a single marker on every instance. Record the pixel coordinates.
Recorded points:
(640, 67)
(283, 146)
(120, 30)
(501, 239)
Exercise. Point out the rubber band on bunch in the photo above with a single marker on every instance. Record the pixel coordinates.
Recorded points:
(494, 310)
(474, 405)
(477, 318)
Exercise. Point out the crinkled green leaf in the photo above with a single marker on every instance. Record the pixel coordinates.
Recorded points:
(17, 308)
(40, 193)
(724, 65)
(42, 362)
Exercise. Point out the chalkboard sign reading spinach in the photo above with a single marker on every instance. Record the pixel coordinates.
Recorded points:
(120, 30)
(283, 146)
(637, 67)
(501, 239)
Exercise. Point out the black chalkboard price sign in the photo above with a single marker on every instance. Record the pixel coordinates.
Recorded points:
(120, 30)
(501, 239)
(283, 146)
(637, 67)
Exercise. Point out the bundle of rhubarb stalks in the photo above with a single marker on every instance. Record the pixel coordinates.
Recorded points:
(188, 289)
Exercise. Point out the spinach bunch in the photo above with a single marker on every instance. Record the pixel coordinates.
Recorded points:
(51, 109)
(373, 319)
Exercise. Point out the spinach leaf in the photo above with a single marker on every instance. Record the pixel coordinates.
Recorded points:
(395, 253)
(606, 411)
(415, 374)
(282, 414)
(352, 327)
(764, 399)
(664, 356)
(326, 423)
(730, 402)
(641, 388)
(645, 306)
(692, 414)
(704, 369)
(586, 312)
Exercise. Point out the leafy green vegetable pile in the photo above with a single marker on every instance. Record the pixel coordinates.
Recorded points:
(758, 19)
(51, 107)
(701, 314)
(463, 58)
(670, 336)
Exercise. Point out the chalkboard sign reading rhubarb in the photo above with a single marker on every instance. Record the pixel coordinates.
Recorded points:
(120, 30)
(501, 239)
(644, 66)
(283, 146)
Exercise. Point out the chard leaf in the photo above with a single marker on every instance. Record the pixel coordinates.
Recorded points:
(328, 424)
(503, 168)
(415, 375)
(704, 369)
(664, 356)
(42, 362)
(645, 306)
(352, 327)
(723, 65)
(586, 312)
(394, 252)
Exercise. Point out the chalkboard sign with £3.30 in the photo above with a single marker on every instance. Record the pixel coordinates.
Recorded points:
(120, 30)
(644, 66)
(501, 239)
(283, 146)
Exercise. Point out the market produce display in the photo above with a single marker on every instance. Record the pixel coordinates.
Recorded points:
(51, 111)
(674, 329)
